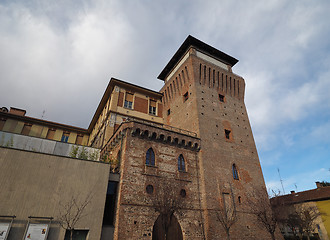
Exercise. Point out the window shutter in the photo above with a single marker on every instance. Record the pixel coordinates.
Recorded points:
(152, 103)
(129, 97)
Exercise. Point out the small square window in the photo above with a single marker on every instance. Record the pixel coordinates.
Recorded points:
(128, 104)
(221, 98)
(227, 133)
(185, 96)
(168, 112)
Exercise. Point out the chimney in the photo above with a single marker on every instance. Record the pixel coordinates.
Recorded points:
(292, 192)
(17, 111)
(318, 184)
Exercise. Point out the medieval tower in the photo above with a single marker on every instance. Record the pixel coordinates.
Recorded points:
(203, 95)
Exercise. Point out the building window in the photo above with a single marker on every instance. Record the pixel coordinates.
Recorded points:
(50, 134)
(221, 98)
(181, 164)
(168, 112)
(152, 107)
(150, 157)
(149, 189)
(76, 235)
(128, 100)
(79, 139)
(26, 129)
(110, 204)
(65, 137)
(227, 133)
(183, 193)
(185, 96)
(235, 172)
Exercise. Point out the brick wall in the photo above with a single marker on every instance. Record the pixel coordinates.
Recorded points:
(136, 213)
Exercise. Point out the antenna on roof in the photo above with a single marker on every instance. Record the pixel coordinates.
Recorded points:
(43, 114)
(278, 170)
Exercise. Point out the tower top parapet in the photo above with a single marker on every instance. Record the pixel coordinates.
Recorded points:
(202, 47)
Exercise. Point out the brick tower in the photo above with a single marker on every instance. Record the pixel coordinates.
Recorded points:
(203, 95)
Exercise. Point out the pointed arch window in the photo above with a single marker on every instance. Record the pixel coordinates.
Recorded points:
(181, 164)
(150, 157)
(235, 172)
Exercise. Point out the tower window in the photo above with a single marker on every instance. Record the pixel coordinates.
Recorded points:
(128, 100)
(227, 133)
(221, 98)
(181, 164)
(183, 193)
(235, 172)
(152, 107)
(149, 189)
(185, 96)
(150, 157)
(168, 112)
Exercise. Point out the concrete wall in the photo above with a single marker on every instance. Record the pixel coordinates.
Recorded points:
(35, 184)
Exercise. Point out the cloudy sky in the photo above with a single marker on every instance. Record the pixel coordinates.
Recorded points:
(58, 56)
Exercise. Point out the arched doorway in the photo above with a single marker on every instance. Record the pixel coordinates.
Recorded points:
(166, 228)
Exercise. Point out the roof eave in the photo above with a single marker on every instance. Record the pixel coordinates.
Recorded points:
(194, 42)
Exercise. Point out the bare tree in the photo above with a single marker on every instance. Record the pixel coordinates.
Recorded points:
(267, 215)
(227, 213)
(169, 198)
(71, 212)
(302, 218)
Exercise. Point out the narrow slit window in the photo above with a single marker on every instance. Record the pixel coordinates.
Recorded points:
(185, 96)
(235, 172)
(221, 98)
(227, 133)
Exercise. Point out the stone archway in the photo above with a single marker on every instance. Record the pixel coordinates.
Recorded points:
(171, 232)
